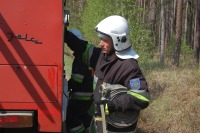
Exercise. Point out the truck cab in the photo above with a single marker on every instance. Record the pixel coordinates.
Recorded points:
(32, 81)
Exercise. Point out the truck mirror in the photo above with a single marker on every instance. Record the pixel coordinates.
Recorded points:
(66, 19)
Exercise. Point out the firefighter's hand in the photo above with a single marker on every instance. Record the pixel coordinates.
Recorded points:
(111, 106)
(127, 102)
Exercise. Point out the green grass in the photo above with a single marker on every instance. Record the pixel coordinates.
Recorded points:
(68, 65)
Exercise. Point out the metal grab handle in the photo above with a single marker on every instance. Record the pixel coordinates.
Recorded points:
(103, 118)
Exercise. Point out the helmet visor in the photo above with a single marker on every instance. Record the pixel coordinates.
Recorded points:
(101, 35)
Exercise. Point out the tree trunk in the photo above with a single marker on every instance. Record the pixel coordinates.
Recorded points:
(178, 34)
(167, 34)
(152, 18)
(186, 22)
(197, 34)
(190, 21)
(162, 49)
(173, 18)
(144, 7)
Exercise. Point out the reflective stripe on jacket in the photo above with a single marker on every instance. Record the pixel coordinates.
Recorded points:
(81, 81)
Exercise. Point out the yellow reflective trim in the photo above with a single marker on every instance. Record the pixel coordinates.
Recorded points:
(90, 68)
(85, 54)
(106, 109)
(78, 131)
(138, 96)
(103, 86)
(94, 85)
(81, 98)
(98, 118)
(77, 79)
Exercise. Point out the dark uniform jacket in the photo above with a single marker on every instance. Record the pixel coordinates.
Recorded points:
(113, 70)
(81, 90)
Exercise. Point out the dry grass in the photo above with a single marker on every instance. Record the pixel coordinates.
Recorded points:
(175, 106)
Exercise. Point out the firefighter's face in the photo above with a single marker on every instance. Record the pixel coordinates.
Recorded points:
(106, 45)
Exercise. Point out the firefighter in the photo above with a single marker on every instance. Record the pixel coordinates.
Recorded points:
(119, 83)
(80, 86)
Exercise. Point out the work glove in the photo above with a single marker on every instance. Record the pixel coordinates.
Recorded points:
(110, 105)
(128, 103)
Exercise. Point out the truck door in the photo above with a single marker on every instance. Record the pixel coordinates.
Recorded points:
(31, 61)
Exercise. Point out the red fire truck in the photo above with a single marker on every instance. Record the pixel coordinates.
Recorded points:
(31, 65)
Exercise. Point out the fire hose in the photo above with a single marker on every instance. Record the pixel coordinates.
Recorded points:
(118, 119)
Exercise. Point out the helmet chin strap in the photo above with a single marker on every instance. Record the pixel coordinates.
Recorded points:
(108, 55)
(112, 50)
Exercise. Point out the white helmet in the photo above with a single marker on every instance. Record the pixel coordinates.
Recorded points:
(117, 28)
(77, 33)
